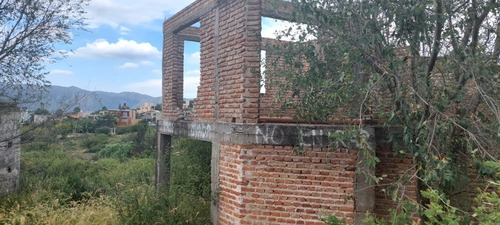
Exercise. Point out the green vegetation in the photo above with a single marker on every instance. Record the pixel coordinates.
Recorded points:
(31, 32)
(429, 68)
(87, 178)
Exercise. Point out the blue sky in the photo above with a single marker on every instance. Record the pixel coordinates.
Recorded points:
(121, 49)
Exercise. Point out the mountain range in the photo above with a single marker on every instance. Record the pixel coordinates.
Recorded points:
(67, 98)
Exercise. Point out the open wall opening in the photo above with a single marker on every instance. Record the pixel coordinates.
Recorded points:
(190, 180)
(262, 71)
(191, 74)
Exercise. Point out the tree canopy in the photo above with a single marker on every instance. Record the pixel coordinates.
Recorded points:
(29, 32)
(429, 67)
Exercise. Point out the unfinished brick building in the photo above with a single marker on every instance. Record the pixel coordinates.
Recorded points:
(257, 178)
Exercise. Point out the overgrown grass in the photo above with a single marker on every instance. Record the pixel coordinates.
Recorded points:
(113, 188)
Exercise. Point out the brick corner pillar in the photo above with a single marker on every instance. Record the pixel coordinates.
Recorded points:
(173, 76)
(364, 189)
(251, 76)
(238, 61)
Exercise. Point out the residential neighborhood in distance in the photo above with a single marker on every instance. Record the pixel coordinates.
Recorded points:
(123, 115)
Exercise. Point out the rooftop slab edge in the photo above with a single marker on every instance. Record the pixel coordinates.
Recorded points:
(307, 135)
(276, 9)
(189, 15)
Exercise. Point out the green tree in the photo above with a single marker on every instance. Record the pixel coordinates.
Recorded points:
(77, 110)
(85, 125)
(106, 121)
(59, 113)
(141, 129)
(64, 128)
(158, 106)
(41, 111)
(29, 32)
(429, 67)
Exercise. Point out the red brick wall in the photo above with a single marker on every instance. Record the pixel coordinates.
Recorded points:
(274, 185)
(233, 56)
(394, 167)
(204, 103)
(239, 61)
(268, 106)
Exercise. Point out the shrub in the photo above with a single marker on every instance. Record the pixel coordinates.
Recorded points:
(140, 205)
(124, 129)
(54, 170)
(91, 210)
(85, 125)
(56, 188)
(108, 174)
(36, 146)
(116, 150)
(103, 130)
(190, 193)
(94, 142)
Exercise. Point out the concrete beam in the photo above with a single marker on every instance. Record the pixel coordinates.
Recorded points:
(266, 43)
(307, 135)
(277, 9)
(190, 34)
(188, 16)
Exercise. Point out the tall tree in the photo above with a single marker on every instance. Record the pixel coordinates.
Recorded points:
(430, 67)
(77, 110)
(29, 32)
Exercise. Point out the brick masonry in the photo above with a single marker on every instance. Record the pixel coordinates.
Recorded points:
(258, 177)
(274, 185)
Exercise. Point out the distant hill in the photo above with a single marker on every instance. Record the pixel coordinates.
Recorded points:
(67, 98)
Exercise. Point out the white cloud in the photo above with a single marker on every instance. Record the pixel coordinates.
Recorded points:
(272, 28)
(62, 73)
(129, 66)
(193, 58)
(192, 73)
(117, 12)
(123, 49)
(124, 30)
(191, 83)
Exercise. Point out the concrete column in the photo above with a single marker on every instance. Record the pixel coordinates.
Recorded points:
(364, 188)
(162, 176)
(214, 207)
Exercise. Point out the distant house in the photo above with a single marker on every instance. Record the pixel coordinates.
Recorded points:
(125, 115)
(147, 107)
(39, 119)
(114, 112)
(188, 105)
(152, 115)
(75, 116)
